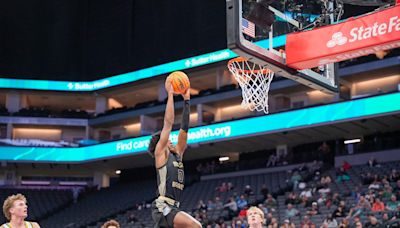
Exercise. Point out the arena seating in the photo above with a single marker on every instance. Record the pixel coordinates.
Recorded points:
(69, 113)
(33, 112)
(278, 184)
(41, 202)
(101, 204)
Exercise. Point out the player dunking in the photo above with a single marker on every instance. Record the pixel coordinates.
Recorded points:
(169, 166)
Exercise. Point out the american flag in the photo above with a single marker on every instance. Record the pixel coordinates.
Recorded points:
(248, 28)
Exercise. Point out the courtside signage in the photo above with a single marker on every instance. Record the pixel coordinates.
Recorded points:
(353, 38)
(183, 64)
(285, 121)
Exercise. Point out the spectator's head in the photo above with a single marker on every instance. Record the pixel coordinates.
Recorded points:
(286, 222)
(342, 203)
(314, 205)
(306, 218)
(15, 206)
(238, 222)
(345, 222)
(255, 217)
(358, 224)
(385, 216)
(393, 198)
(242, 197)
(269, 216)
(373, 220)
(269, 197)
(111, 224)
(377, 200)
(289, 206)
(335, 195)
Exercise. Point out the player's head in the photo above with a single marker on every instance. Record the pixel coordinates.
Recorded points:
(153, 143)
(255, 217)
(15, 206)
(111, 224)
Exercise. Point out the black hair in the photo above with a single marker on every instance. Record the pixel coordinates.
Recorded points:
(153, 143)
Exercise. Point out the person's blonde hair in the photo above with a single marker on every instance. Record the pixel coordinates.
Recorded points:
(253, 208)
(9, 203)
(112, 222)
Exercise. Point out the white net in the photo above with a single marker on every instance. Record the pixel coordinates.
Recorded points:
(254, 80)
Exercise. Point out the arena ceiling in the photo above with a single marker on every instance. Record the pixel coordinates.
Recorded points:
(83, 40)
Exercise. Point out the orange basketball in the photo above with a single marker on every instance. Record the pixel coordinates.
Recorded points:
(179, 81)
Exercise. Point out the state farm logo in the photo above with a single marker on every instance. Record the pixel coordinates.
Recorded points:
(337, 39)
(365, 32)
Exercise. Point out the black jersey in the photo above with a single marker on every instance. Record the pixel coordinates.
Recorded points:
(171, 178)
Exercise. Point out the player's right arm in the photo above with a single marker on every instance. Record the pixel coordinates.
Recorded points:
(160, 152)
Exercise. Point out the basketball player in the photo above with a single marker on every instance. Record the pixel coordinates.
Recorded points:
(15, 210)
(111, 224)
(169, 166)
(255, 217)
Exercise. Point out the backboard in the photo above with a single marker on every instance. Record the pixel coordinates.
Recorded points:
(249, 36)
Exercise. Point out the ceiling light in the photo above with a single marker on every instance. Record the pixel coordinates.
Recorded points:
(350, 141)
(222, 159)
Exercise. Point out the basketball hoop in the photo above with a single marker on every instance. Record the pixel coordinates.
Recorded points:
(254, 80)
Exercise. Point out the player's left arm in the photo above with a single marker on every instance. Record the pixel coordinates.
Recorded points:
(183, 132)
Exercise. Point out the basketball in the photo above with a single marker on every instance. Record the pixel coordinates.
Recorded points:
(179, 81)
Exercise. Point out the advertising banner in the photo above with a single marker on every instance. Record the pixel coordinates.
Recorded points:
(353, 38)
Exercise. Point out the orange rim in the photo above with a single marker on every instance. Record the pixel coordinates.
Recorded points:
(241, 71)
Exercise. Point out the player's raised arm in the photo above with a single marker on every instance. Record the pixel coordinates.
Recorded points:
(183, 132)
(168, 122)
(159, 140)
